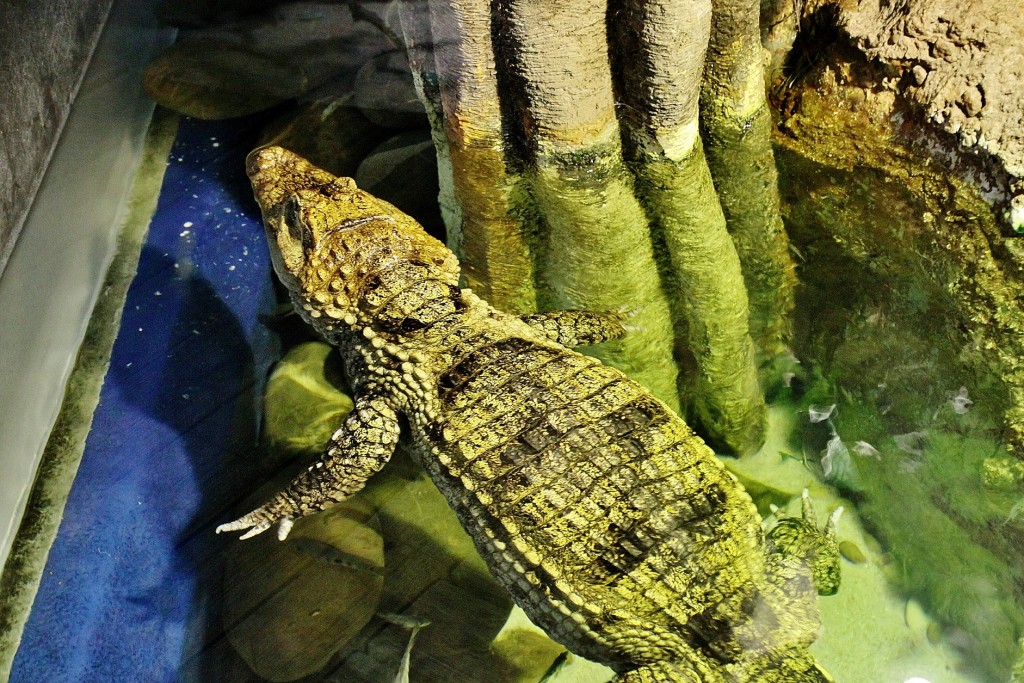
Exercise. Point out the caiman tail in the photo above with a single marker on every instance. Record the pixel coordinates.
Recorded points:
(667, 672)
(797, 666)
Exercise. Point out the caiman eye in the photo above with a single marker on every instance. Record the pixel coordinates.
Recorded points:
(297, 228)
(293, 236)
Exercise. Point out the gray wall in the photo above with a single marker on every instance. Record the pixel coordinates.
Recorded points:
(51, 281)
(45, 46)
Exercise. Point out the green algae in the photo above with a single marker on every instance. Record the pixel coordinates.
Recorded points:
(736, 125)
(931, 225)
(940, 534)
(743, 167)
(879, 324)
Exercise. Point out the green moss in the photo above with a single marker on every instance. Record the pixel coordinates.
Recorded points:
(933, 535)
(903, 357)
(929, 235)
(722, 394)
(902, 304)
(597, 255)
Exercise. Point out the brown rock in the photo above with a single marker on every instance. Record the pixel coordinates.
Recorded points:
(943, 48)
(972, 101)
(974, 46)
(333, 135)
(256, 63)
(289, 606)
(385, 93)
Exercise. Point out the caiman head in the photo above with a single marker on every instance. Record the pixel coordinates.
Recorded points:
(333, 245)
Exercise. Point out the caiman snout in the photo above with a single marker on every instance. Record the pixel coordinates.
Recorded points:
(277, 173)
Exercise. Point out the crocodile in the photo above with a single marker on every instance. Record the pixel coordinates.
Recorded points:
(608, 520)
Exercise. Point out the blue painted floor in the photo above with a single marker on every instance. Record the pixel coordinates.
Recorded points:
(130, 588)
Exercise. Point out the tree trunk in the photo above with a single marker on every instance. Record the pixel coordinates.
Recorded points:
(534, 101)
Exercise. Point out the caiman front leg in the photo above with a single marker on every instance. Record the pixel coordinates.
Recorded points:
(579, 328)
(356, 452)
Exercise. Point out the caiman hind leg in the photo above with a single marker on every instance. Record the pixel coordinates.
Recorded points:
(356, 452)
(800, 540)
(579, 328)
(801, 562)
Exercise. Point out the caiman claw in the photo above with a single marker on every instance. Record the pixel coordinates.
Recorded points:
(258, 521)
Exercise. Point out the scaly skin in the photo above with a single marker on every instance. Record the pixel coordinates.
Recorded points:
(611, 524)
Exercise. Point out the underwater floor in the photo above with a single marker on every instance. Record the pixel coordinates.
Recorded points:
(138, 587)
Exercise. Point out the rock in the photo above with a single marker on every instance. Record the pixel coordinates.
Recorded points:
(256, 63)
(303, 405)
(972, 101)
(1016, 213)
(1003, 475)
(943, 48)
(197, 13)
(333, 135)
(211, 80)
(915, 617)
(392, 16)
(966, 57)
(919, 74)
(385, 93)
(433, 574)
(289, 606)
(527, 652)
(851, 552)
(1018, 668)
(403, 171)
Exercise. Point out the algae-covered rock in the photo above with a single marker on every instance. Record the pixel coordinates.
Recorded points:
(1003, 475)
(289, 606)
(525, 654)
(332, 134)
(303, 404)
(1018, 669)
(851, 552)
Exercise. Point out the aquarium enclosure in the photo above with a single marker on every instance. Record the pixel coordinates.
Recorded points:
(512, 341)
